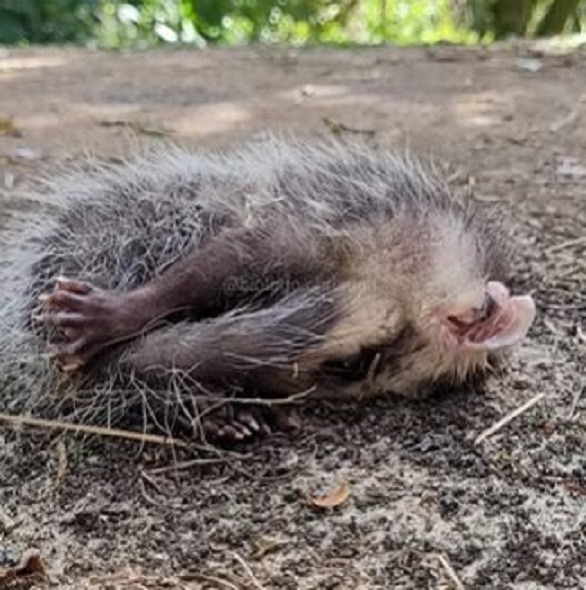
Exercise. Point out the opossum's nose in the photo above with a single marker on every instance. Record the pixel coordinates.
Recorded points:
(476, 314)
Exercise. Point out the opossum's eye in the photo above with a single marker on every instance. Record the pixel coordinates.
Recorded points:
(350, 368)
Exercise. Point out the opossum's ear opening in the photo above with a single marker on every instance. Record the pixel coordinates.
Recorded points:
(501, 321)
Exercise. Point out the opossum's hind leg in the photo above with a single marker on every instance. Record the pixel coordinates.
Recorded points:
(249, 353)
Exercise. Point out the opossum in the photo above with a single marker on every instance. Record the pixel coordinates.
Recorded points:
(279, 270)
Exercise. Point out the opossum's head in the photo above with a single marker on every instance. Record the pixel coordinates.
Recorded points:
(459, 311)
(431, 306)
(464, 335)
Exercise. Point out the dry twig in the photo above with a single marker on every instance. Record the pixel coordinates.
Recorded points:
(248, 571)
(98, 430)
(445, 563)
(567, 244)
(575, 401)
(508, 418)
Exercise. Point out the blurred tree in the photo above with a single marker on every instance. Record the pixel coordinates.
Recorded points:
(50, 21)
(500, 19)
(512, 17)
(560, 14)
(122, 23)
(269, 20)
(18, 20)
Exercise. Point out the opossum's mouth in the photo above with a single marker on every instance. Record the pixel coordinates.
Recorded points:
(500, 322)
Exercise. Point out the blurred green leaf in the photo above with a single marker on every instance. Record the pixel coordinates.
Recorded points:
(138, 23)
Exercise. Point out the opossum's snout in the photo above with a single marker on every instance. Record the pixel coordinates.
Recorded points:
(500, 321)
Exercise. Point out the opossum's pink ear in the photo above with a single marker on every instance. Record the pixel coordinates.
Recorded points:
(511, 325)
(501, 322)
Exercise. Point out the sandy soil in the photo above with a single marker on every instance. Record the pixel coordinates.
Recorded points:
(428, 508)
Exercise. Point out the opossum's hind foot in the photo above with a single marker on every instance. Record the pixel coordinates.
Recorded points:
(89, 320)
(246, 423)
(233, 425)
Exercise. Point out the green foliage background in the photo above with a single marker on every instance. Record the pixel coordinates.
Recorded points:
(131, 23)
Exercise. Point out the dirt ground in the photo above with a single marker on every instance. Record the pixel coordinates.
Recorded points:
(427, 506)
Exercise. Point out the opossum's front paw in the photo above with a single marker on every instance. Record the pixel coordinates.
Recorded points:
(91, 319)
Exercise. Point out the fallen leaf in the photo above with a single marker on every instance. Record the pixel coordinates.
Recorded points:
(30, 565)
(7, 127)
(336, 497)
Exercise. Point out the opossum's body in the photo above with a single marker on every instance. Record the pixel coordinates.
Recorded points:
(287, 269)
